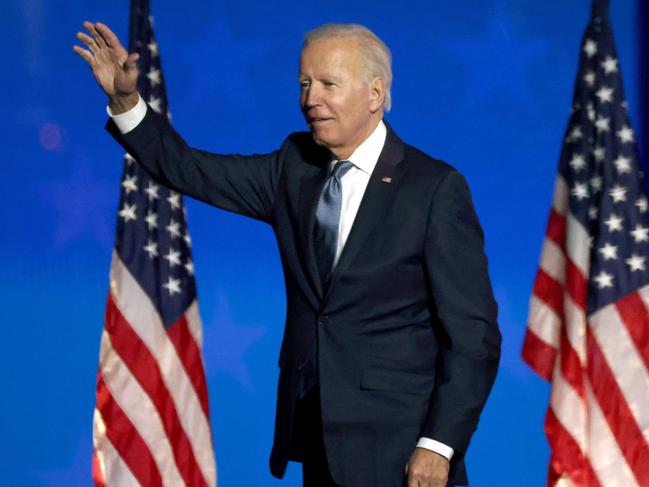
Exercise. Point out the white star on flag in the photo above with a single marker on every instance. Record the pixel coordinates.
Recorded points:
(626, 134)
(128, 212)
(174, 199)
(173, 257)
(610, 65)
(152, 191)
(575, 133)
(592, 212)
(604, 279)
(580, 191)
(151, 220)
(153, 48)
(129, 158)
(636, 263)
(129, 183)
(590, 47)
(154, 103)
(589, 78)
(641, 203)
(602, 124)
(605, 94)
(151, 248)
(172, 285)
(577, 162)
(608, 251)
(614, 223)
(188, 240)
(618, 193)
(189, 266)
(622, 164)
(173, 228)
(154, 76)
(596, 183)
(640, 234)
(600, 153)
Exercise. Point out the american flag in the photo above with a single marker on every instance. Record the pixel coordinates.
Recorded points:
(588, 325)
(151, 422)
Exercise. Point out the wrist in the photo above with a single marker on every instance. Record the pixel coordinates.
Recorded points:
(122, 103)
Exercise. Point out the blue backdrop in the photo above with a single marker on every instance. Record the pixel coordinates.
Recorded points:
(485, 85)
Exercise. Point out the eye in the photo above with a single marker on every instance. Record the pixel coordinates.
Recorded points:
(304, 84)
(329, 84)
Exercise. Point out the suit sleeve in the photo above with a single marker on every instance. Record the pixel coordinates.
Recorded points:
(241, 184)
(461, 296)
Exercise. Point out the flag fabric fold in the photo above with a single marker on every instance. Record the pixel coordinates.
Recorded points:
(151, 423)
(588, 324)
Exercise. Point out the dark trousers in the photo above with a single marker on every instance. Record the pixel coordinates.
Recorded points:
(309, 442)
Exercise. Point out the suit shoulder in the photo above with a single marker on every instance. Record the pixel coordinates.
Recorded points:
(424, 165)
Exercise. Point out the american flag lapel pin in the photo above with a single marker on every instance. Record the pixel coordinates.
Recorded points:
(386, 179)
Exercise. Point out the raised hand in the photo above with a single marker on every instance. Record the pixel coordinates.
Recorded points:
(113, 67)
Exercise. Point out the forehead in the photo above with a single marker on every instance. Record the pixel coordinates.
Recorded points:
(334, 53)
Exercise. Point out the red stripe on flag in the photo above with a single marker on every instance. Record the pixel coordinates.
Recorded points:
(571, 367)
(567, 457)
(190, 356)
(539, 355)
(126, 439)
(635, 316)
(557, 228)
(576, 284)
(617, 412)
(549, 291)
(144, 367)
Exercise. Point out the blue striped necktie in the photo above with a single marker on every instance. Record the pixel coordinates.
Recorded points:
(325, 234)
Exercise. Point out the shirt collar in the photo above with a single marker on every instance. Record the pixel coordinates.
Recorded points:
(367, 154)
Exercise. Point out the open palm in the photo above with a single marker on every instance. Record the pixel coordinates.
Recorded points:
(114, 69)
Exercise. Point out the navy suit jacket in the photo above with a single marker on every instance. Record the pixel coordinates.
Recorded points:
(408, 342)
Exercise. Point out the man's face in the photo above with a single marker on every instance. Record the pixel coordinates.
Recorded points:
(337, 102)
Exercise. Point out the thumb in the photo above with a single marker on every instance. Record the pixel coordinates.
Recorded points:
(131, 61)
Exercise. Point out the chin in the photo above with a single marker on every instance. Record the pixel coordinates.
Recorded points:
(321, 139)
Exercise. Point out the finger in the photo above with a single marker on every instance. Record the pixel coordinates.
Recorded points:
(87, 40)
(86, 55)
(107, 35)
(98, 38)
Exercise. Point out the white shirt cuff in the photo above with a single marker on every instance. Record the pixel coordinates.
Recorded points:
(439, 448)
(127, 121)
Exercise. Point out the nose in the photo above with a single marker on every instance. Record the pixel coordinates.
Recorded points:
(311, 96)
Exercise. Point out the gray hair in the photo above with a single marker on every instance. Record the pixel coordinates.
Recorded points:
(377, 59)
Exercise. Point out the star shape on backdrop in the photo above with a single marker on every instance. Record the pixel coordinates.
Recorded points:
(84, 205)
(226, 69)
(78, 471)
(229, 344)
(497, 61)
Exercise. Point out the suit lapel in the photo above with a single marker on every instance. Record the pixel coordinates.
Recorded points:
(380, 189)
(310, 189)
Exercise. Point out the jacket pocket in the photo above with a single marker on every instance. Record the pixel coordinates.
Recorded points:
(377, 378)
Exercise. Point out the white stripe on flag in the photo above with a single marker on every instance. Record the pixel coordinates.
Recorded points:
(111, 464)
(544, 322)
(605, 454)
(624, 361)
(140, 410)
(137, 309)
(568, 406)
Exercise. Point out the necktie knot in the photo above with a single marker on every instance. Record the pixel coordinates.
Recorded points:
(341, 168)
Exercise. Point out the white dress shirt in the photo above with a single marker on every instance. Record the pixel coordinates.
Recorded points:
(354, 182)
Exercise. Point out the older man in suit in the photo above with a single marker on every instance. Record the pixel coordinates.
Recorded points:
(391, 343)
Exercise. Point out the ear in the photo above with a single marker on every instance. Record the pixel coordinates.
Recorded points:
(377, 94)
